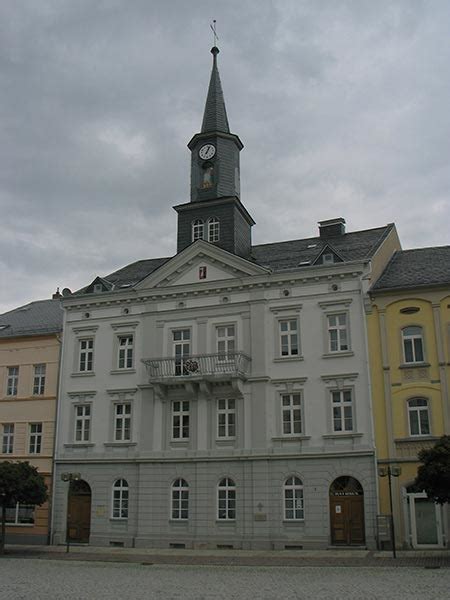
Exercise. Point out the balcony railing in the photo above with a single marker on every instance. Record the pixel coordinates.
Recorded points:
(199, 366)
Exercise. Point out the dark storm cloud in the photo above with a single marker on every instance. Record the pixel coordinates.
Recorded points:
(342, 107)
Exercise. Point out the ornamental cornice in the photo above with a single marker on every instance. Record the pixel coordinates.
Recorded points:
(122, 391)
(216, 287)
(339, 377)
(82, 394)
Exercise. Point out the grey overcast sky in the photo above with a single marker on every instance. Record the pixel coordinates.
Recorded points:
(342, 106)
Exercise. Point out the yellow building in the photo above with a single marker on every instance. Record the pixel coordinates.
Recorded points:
(29, 359)
(409, 343)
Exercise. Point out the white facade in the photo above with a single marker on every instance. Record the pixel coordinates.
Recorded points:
(236, 438)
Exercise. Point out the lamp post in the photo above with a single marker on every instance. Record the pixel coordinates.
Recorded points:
(389, 472)
(69, 477)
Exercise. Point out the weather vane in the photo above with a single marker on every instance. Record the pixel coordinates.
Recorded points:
(213, 27)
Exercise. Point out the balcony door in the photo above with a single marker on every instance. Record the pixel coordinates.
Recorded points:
(181, 349)
(226, 347)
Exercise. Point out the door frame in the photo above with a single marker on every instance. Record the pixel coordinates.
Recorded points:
(412, 497)
(345, 499)
(72, 495)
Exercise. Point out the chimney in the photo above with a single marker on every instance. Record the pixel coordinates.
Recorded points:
(331, 228)
(56, 295)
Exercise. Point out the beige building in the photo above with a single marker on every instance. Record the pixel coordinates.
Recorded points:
(29, 358)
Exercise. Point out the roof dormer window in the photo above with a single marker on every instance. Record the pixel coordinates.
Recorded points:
(328, 258)
(98, 288)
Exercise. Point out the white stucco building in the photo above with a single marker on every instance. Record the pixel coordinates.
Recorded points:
(221, 397)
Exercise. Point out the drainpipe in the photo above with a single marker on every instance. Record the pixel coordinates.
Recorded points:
(366, 302)
(55, 435)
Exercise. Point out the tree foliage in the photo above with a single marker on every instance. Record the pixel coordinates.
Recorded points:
(19, 482)
(433, 476)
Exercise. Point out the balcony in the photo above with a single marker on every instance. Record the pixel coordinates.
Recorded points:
(201, 369)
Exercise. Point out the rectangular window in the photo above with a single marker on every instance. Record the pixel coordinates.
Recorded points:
(86, 355)
(39, 380)
(12, 381)
(181, 349)
(413, 344)
(226, 342)
(82, 422)
(342, 405)
(20, 514)
(289, 345)
(291, 414)
(419, 417)
(226, 418)
(125, 352)
(122, 422)
(8, 438)
(35, 438)
(337, 333)
(180, 419)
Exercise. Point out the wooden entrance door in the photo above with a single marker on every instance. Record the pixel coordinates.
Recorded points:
(79, 512)
(347, 512)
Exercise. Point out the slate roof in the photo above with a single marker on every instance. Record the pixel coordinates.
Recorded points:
(215, 115)
(42, 317)
(278, 256)
(421, 267)
(357, 245)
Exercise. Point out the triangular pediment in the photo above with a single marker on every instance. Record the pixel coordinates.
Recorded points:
(98, 285)
(201, 262)
(327, 256)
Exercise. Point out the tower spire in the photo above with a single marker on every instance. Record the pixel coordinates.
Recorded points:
(215, 212)
(215, 115)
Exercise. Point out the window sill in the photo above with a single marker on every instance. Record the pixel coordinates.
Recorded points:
(225, 521)
(293, 522)
(179, 521)
(345, 434)
(83, 374)
(119, 444)
(122, 371)
(416, 438)
(183, 442)
(19, 524)
(79, 445)
(340, 354)
(288, 359)
(118, 519)
(225, 441)
(291, 438)
(415, 365)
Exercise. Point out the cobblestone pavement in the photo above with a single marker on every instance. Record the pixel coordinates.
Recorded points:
(36, 579)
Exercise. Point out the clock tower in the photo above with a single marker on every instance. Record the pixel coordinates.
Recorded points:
(215, 212)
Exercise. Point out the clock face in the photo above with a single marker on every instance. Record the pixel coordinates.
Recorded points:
(207, 151)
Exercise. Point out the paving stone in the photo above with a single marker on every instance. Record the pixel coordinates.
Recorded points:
(49, 579)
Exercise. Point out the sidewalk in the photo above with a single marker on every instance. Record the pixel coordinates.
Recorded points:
(279, 558)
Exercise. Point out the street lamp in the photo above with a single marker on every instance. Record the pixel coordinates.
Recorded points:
(390, 471)
(69, 477)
